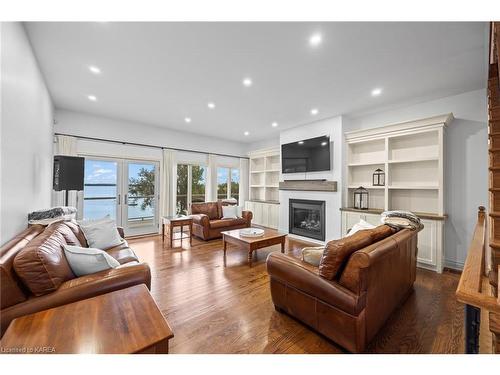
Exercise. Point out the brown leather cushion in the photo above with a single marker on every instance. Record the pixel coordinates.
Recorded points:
(223, 223)
(211, 209)
(42, 265)
(12, 291)
(337, 252)
(75, 228)
(69, 236)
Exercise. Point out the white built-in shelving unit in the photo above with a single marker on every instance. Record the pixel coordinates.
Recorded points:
(264, 187)
(411, 155)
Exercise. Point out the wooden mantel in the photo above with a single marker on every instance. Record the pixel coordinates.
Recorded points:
(308, 185)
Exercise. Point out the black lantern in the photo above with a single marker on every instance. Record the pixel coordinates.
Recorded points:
(361, 198)
(378, 177)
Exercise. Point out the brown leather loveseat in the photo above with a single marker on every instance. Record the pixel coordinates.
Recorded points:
(350, 297)
(208, 223)
(36, 276)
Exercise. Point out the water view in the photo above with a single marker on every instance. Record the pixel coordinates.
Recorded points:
(100, 190)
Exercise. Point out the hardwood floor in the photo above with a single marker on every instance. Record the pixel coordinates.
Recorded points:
(217, 307)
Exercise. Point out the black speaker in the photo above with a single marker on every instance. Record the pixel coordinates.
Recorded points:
(68, 173)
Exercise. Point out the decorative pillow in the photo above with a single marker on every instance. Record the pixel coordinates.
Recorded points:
(229, 212)
(101, 234)
(41, 265)
(360, 226)
(337, 252)
(86, 260)
(312, 255)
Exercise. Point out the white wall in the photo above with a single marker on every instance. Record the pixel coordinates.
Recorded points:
(75, 123)
(264, 144)
(26, 133)
(466, 161)
(332, 127)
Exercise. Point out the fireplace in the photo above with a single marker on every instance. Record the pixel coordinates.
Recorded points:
(307, 218)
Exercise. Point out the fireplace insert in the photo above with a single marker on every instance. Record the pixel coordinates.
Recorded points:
(307, 218)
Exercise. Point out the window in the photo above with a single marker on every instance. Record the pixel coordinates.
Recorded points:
(191, 186)
(100, 189)
(228, 183)
(222, 182)
(182, 181)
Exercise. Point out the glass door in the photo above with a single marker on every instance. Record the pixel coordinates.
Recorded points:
(191, 186)
(126, 190)
(139, 208)
(100, 189)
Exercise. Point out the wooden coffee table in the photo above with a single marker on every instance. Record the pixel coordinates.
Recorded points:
(124, 321)
(250, 244)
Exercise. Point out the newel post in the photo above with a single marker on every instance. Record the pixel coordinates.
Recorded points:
(481, 212)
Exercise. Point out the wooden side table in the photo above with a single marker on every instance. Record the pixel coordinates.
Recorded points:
(124, 321)
(177, 221)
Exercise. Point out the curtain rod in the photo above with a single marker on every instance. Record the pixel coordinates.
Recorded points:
(151, 146)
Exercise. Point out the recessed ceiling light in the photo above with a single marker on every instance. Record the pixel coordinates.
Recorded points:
(376, 92)
(246, 133)
(324, 143)
(314, 111)
(315, 39)
(92, 98)
(274, 124)
(211, 105)
(94, 69)
(187, 119)
(247, 82)
(301, 142)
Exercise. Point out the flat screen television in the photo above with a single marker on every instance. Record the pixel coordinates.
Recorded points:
(309, 155)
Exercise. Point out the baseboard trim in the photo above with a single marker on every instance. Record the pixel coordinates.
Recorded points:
(459, 266)
(306, 239)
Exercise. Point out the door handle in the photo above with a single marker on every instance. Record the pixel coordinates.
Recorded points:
(119, 199)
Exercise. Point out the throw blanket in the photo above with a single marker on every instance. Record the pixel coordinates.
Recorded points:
(50, 215)
(401, 220)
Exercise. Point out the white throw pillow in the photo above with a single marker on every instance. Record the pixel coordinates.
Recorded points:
(312, 255)
(86, 260)
(360, 226)
(101, 234)
(229, 212)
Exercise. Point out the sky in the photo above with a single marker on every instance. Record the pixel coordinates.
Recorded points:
(105, 172)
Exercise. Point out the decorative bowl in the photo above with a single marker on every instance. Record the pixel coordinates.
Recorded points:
(251, 232)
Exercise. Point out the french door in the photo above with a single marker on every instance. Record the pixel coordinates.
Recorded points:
(126, 190)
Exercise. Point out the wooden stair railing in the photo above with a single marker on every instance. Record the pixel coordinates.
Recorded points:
(494, 173)
(470, 287)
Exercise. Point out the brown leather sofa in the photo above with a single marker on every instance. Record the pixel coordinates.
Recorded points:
(350, 309)
(35, 275)
(208, 223)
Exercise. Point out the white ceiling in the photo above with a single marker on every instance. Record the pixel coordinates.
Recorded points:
(160, 73)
